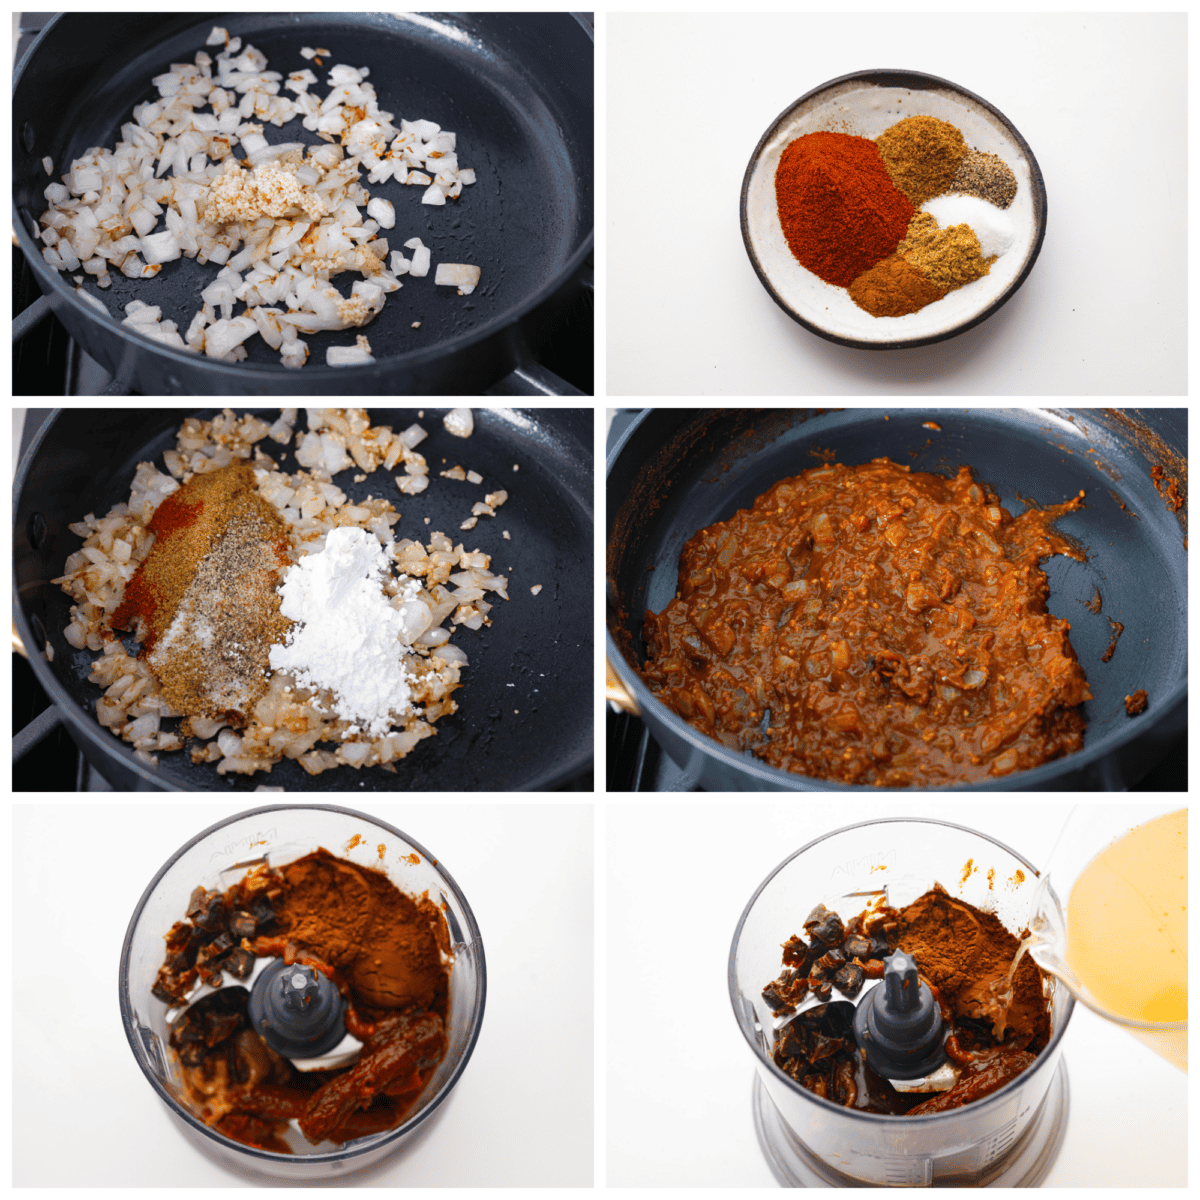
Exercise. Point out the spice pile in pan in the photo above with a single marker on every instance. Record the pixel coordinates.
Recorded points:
(998, 1020)
(389, 956)
(269, 611)
(899, 221)
(280, 223)
(874, 626)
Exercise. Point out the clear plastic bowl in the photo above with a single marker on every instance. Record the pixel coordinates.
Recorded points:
(218, 857)
(1009, 1138)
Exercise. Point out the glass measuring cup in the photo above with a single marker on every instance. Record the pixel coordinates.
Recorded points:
(1008, 1138)
(282, 835)
(1107, 914)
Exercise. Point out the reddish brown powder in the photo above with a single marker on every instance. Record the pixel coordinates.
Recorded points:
(838, 207)
(356, 920)
(186, 526)
(212, 572)
(963, 951)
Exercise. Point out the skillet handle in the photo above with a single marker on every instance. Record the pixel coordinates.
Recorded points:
(532, 379)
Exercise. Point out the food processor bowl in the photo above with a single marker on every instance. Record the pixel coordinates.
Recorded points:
(220, 856)
(1009, 1138)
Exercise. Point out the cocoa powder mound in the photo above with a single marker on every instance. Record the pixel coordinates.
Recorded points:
(383, 942)
(963, 951)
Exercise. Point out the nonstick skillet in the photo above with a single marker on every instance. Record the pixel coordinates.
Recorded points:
(517, 90)
(525, 716)
(676, 471)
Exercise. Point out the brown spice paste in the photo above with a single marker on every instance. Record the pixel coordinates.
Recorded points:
(874, 626)
(205, 594)
(385, 951)
(356, 920)
(1117, 630)
(963, 953)
(1169, 492)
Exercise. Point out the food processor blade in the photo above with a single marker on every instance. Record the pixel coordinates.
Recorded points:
(342, 1052)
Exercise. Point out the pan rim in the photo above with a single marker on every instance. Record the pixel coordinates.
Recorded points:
(52, 284)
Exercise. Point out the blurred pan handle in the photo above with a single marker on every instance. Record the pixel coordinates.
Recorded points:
(618, 693)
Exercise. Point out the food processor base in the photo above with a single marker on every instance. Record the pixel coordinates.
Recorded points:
(1026, 1164)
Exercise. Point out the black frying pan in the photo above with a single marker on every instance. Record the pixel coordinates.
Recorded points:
(515, 88)
(676, 471)
(523, 722)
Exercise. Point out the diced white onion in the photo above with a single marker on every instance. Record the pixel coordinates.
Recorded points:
(458, 275)
(161, 247)
(450, 653)
(346, 356)
(459, 422)
(383, 212)
(280, 223)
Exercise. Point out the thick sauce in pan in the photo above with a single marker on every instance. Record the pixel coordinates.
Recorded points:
(872, 626)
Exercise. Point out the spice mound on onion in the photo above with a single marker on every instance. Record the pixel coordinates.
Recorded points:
(266, 609)
(280, 222)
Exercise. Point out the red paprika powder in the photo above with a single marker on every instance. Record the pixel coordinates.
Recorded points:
(838, 207)
(144, 593)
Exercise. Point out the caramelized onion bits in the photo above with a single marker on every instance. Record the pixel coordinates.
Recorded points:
(876, 626)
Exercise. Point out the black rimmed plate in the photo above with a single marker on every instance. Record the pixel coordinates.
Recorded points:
(866, 103)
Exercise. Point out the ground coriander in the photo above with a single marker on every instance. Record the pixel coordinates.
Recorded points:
(949, 258)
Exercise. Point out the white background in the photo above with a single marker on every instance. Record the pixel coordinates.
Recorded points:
(1100, 98)
(680, 1072)
(520, 1115)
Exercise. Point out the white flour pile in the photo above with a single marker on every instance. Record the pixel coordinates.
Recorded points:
(347, 634)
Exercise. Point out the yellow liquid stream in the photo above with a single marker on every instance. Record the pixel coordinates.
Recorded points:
(1127, 923)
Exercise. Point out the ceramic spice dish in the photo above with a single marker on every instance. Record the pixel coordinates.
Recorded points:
(865, 104)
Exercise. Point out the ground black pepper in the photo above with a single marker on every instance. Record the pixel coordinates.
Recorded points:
(987, 176)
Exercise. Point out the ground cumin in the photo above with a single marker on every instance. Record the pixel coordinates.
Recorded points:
(922, 155)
